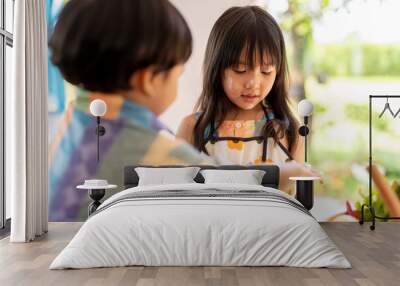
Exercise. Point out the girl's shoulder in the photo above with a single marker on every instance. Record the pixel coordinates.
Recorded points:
(195, 117)
(191, 119)
(188, 122)
(186, 127)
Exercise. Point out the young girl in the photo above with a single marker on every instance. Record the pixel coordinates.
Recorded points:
(130, 54)
(244, 115)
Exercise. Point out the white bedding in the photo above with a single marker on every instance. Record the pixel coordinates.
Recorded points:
(189, 230)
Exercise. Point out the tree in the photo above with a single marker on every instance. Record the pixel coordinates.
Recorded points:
(298, 21)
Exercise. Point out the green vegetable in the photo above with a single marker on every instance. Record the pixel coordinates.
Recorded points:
(377, 202)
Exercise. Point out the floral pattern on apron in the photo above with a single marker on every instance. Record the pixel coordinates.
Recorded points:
(241, 142)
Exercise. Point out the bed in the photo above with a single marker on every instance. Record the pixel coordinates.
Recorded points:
(201, 224)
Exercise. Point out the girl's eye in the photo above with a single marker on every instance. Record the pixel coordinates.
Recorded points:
(239, 70)
(266, 72)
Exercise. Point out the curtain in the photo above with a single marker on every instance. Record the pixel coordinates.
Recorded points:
(26, 124)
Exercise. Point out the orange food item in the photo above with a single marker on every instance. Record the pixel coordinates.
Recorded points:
(390, 198)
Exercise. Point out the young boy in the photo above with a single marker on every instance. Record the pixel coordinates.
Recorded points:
(130, 54)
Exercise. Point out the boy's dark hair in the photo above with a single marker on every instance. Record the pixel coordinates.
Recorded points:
(99, 44)
(251, 29)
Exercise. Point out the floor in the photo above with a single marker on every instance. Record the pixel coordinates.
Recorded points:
(374, 255)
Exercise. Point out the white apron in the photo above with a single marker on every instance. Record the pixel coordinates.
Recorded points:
(241, 142)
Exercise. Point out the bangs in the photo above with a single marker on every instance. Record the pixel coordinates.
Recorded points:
(255, 35)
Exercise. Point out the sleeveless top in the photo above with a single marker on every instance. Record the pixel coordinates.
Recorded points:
(241, 142)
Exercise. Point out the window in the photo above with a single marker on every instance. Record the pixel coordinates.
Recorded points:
(6, 63)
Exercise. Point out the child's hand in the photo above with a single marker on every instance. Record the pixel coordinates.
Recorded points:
(295, 169)
(308, 171)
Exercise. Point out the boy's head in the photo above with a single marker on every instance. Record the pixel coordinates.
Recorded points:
(132, 47)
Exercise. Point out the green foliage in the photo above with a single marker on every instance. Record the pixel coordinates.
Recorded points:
(319, 108)
(359, 113)
(378, 60)
(377, 202)
(333, 60)
(298, 22)
(375, 60)
(391, 161)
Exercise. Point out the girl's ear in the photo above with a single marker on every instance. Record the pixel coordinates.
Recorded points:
(143, 81)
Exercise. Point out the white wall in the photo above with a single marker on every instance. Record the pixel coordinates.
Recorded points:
(201, 16)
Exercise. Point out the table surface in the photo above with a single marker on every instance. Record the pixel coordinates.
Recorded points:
(304, 178)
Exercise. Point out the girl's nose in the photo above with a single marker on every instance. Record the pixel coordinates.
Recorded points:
(252, 83)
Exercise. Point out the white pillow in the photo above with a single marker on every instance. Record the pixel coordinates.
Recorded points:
(248, 177)
(163, 176)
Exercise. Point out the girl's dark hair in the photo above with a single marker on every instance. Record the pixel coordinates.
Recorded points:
(99, 44)
(253, 29)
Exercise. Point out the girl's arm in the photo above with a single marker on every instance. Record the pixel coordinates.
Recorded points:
(186, 129)
(298, 149)
(296, 167)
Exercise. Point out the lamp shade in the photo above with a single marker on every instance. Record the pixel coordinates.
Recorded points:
(98, 107)
(305, 108)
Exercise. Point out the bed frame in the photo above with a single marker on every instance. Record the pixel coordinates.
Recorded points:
(270, 179)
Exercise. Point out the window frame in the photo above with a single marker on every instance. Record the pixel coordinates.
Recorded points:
(6, 39)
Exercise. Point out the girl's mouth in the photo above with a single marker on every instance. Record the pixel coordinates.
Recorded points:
(249, 97)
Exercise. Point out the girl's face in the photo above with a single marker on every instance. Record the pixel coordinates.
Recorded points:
(246, 87)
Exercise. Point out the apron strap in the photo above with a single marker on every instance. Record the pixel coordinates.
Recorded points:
(264, 150)
(284, 149)
(212, 138)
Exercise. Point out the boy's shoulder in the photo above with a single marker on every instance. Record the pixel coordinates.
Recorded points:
(167, 149)
(179, 151)
(161, 147)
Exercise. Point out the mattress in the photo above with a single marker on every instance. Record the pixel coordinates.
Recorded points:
(201, 225)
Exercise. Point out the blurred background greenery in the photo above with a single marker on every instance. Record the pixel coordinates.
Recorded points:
(340, 52)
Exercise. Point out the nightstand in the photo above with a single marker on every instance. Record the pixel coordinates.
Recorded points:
(96, 190)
